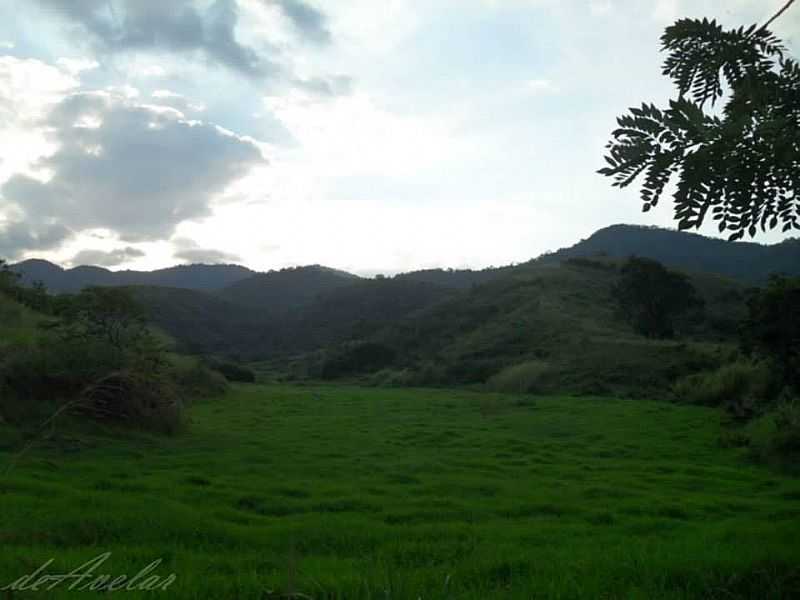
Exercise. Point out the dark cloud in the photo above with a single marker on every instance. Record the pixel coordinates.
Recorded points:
(106, 259)
(171, 25)
(136, 170)
(307, 20)
(189, 251)
(18, 237)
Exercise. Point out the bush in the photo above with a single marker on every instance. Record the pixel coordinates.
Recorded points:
(521, 378)
(149, 400)
(195, 379)
(100, 360)
(741, 386)
(233, 372)
(390, 378)
(787, 426)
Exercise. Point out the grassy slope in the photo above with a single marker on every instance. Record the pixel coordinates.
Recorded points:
(563, 315)
(348, 493)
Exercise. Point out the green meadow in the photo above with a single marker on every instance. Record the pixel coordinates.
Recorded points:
(344, 492)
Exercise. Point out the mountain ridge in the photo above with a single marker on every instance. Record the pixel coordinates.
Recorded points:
(750, 262)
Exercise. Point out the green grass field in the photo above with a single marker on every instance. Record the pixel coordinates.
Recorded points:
(338, 492)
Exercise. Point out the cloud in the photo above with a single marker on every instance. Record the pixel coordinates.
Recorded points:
(137, 170)
(337, 85)
(191, 252)
(306, 19)
(541, 86)
(104, 258)
(18, 237)
(177, 101)
(160, 25)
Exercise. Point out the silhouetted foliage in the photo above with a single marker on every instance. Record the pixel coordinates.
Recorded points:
(772, 328)
(743, 164)
(233, 372)
(650, 297)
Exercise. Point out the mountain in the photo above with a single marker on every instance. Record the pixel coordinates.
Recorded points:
(287, 289)
(746, 261)
(204, 323)
(195, 277)
(207, 323)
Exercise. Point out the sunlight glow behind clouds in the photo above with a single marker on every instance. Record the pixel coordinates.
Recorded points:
(399, 134)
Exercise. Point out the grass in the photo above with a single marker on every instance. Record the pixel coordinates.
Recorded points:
(338, 492)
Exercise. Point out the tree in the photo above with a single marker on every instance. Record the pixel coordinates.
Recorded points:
(772, 327)
(8, 278)
(742, 164)
(651, 297)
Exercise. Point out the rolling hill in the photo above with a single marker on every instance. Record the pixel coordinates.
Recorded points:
(280, 291)
(558, 320)
(746, 261)
(195, 277)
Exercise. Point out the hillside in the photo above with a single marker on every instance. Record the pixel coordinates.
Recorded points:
(560, 321)
(196, 277)
(211, 324)
(461, 279)
(746, 261)
(279, 291)
(206, 324)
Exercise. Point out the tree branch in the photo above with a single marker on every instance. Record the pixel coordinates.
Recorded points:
(777, 15)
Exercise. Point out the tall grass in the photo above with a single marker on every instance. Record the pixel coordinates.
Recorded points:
(741, 381)
(522, 378)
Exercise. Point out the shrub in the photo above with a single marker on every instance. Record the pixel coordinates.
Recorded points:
(195, 379)
(787, 425)
(522, 378)
(149, 400)
(390, 378)
(740, 386)
(233, 371)
(99, 359)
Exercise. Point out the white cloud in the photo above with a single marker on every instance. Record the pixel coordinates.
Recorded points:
(75, 66)
(542, 86)
(353, 135)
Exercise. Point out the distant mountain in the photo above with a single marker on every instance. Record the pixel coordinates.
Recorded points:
(287, 289)
(745, 261)
(202, 322)
(194, 277)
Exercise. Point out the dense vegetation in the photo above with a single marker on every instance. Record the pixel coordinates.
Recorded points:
(92, 354)
(651, 297)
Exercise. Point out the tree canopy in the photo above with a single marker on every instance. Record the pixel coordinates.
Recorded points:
(742, 162)
(772, 328)
(651, 297)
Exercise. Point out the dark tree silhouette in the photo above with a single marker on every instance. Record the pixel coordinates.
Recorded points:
(773, 325)
(743, 163)
(651, 297)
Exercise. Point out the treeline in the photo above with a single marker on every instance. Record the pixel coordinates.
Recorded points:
(761, 380)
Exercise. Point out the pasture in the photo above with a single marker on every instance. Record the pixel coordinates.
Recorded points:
(344, 492)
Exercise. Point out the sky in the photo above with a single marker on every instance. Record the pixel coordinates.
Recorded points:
(371, 136)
